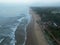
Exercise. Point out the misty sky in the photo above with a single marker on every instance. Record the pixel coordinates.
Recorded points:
(15, 7)
(30, 1)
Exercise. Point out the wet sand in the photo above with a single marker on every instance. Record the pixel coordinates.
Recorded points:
(31, 40)
(19, 36)
(35, 35)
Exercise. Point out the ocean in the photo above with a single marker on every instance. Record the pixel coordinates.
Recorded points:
(8, 27)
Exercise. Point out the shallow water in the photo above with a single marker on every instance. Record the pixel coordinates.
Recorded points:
(7, 29)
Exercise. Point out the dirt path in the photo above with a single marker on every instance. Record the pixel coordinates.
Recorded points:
(35, 35)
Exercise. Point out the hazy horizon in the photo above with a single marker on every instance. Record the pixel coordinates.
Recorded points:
(17, 7)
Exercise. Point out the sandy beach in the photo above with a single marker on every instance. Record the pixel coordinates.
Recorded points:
(35, 35)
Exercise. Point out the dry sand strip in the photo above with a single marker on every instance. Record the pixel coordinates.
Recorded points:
(38, 32)
(35, 35)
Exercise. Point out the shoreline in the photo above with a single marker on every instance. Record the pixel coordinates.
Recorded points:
(30, 39)
(32, 35)
(35, 36)
(21, 33)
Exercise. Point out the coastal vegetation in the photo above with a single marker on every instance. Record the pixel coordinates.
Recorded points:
(50, 18)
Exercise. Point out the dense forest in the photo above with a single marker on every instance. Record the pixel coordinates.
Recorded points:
(47, 14)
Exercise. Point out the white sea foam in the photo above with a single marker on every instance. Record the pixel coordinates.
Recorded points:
(20, 19)
(28, 17)
(13, 33)
(1, 40)
(13, 36)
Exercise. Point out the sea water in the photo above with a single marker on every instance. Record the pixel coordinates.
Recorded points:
(7, 29)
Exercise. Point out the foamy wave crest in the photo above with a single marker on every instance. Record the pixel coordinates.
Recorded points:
(28, 17)
(13, 33)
